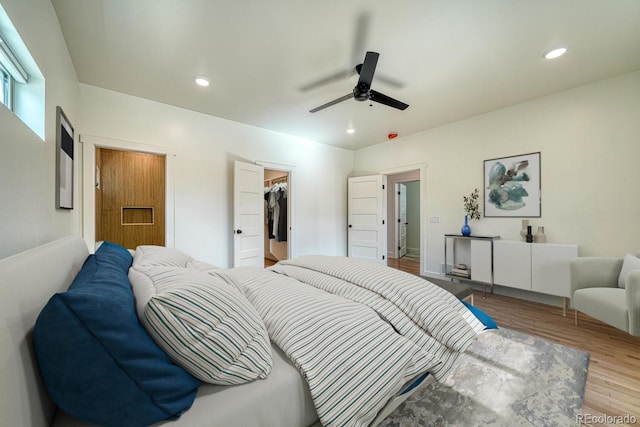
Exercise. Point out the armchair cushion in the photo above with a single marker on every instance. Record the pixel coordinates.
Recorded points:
(606, 304)
(629, 264)
(594, 272)
(595, 291)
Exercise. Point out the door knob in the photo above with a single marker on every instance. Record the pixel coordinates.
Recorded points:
(238, 231)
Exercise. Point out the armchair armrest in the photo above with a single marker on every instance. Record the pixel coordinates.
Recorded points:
(632, 293)
(594, 272)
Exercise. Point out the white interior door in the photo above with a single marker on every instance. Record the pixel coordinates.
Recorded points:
(248, 215)
(402, 219)
(366, 218)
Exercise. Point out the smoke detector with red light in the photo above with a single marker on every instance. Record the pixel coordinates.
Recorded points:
(392, 135)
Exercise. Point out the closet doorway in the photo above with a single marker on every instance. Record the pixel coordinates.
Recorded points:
(403, 211)
(277, 216)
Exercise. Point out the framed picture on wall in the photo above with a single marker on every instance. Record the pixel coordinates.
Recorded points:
(512, 186)
(64, 161)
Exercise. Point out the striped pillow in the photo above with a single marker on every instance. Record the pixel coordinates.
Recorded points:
(150, 256)
(203, 323)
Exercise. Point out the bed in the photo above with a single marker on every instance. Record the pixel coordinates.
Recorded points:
(288, 389)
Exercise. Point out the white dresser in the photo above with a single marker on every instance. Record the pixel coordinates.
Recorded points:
(537, 267)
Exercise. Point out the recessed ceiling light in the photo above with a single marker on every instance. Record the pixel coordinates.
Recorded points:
(202, 81)
(351, 130)
(554, 53)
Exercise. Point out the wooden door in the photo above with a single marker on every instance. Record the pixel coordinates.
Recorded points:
(248, 215)
(130, 198)
(366, 218)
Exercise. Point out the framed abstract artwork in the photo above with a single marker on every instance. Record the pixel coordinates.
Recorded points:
(64, 161)
(512, 186)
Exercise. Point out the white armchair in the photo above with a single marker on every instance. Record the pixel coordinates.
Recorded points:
(595, 291)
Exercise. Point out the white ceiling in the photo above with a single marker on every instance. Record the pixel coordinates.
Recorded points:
(456, 58)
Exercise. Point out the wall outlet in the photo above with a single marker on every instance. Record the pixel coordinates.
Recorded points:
(434, 219)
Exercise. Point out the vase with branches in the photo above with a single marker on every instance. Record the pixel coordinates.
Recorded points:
(471, 205)
(472, 210)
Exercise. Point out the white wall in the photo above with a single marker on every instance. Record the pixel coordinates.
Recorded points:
(206, 148)
(589, 139)
(28, 216)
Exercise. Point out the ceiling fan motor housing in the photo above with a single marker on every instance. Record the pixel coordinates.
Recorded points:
(361, 92)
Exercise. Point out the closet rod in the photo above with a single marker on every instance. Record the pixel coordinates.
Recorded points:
(276, 180)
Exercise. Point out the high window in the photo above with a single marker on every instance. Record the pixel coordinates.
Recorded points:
(5, 88)
(22, 85)
(10, 71)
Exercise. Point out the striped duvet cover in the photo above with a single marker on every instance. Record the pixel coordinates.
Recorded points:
(357, 331)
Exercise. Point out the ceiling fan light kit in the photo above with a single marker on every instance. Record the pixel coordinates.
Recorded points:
(362, 91)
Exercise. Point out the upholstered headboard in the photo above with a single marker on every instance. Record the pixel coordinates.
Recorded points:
(27, 281)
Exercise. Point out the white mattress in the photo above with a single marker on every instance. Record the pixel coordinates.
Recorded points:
(280, 400)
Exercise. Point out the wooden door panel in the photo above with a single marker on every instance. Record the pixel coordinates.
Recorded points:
(365, 210)
(248, 213)
(131, 198)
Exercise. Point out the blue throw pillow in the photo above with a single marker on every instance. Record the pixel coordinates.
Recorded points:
(483, 317)
(97, 361)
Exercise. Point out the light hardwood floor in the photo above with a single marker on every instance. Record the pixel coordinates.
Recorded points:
(404, 264)
(613, 381)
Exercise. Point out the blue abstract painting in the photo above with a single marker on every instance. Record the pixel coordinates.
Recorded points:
(512, 186)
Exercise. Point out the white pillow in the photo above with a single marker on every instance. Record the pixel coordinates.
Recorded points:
(629, 264)
(150, 256)
(203, 323)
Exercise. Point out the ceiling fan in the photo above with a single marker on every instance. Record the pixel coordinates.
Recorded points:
(361, 34)
(362, 91)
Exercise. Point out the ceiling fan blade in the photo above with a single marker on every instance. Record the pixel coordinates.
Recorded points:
(389, 81)
(386, 100)
(368, 68)
(360, 37)
(341, 75)
(330, 103)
